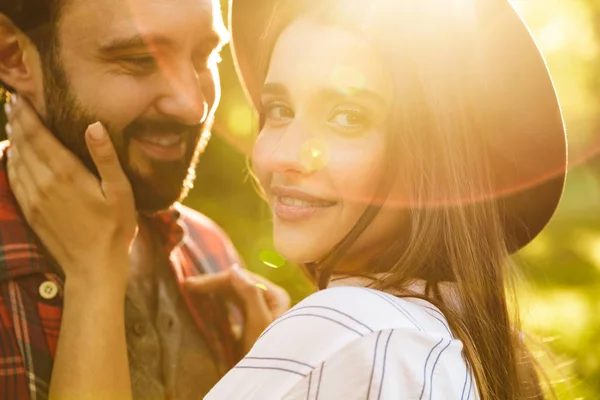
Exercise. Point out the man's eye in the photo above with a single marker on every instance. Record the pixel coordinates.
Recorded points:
(140, 62)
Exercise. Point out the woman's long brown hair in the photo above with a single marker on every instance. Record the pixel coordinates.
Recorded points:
(436, 152)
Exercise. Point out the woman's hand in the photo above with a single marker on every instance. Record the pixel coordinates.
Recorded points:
(86, 224)
(261, 300)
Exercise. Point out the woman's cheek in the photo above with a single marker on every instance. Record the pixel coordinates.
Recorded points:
(260, 161)
(357, 171)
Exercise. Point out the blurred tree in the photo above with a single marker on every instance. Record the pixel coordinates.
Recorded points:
(562, 266)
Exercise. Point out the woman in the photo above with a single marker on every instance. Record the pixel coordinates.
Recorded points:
(414, 144)
(406, 149)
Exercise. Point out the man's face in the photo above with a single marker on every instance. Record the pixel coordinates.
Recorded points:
(147, 69)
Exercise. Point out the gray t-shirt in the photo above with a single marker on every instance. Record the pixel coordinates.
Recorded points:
(168, 359)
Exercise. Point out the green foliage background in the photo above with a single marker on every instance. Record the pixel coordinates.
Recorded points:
(560, 290)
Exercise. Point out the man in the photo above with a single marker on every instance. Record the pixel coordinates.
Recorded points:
(148, 71)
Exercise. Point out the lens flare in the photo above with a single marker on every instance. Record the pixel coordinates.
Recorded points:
(315, 154)
(272, 259)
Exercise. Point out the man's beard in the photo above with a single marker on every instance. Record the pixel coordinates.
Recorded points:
(169, 182)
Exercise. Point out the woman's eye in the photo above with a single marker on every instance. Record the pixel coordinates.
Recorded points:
(348, 120)
(278, 112)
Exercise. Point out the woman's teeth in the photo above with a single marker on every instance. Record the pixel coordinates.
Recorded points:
(295, 202)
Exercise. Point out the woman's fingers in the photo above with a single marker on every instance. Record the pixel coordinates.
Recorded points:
(277, 298)
(105, 157)
(240, 285)
(219, 282)
(237, 285)
(233, 283)
(251, 292)
(63, 201)
(47, 161)
(23, 185)
(29, 132)
(16, 176)
(26, 193)
(27, 157)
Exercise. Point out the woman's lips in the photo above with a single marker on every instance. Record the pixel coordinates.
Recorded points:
(292, 205)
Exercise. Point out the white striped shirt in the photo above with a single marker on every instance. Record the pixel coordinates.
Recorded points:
(353, 343)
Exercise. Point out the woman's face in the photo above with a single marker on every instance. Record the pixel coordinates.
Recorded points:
(320, 154)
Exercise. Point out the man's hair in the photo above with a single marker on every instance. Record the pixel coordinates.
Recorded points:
(30, 15)
(38, 20)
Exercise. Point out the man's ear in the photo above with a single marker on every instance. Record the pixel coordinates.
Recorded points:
(19, 60)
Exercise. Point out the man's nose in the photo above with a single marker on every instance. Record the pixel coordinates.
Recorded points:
(186, 96)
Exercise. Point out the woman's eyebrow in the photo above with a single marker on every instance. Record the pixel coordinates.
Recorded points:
(275, 89)
(329, 93)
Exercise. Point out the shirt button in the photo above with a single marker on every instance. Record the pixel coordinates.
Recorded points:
(165, 322)
(48, 290)
(138, 329)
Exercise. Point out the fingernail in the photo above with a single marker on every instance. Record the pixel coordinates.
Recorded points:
(13, 99)
(238, 272)
(261, 286)
(8, 130)
(7, 109)
(193, 279)
(96, 131)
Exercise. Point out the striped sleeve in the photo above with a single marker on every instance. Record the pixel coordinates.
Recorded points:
(392, 364)
(353, 343)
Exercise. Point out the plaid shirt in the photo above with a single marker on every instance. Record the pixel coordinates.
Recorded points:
(29, 323)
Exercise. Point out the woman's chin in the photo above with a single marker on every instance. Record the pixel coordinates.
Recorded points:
(296, 253)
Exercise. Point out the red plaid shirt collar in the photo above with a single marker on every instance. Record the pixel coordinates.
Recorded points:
(21, 253)
(169, 226)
